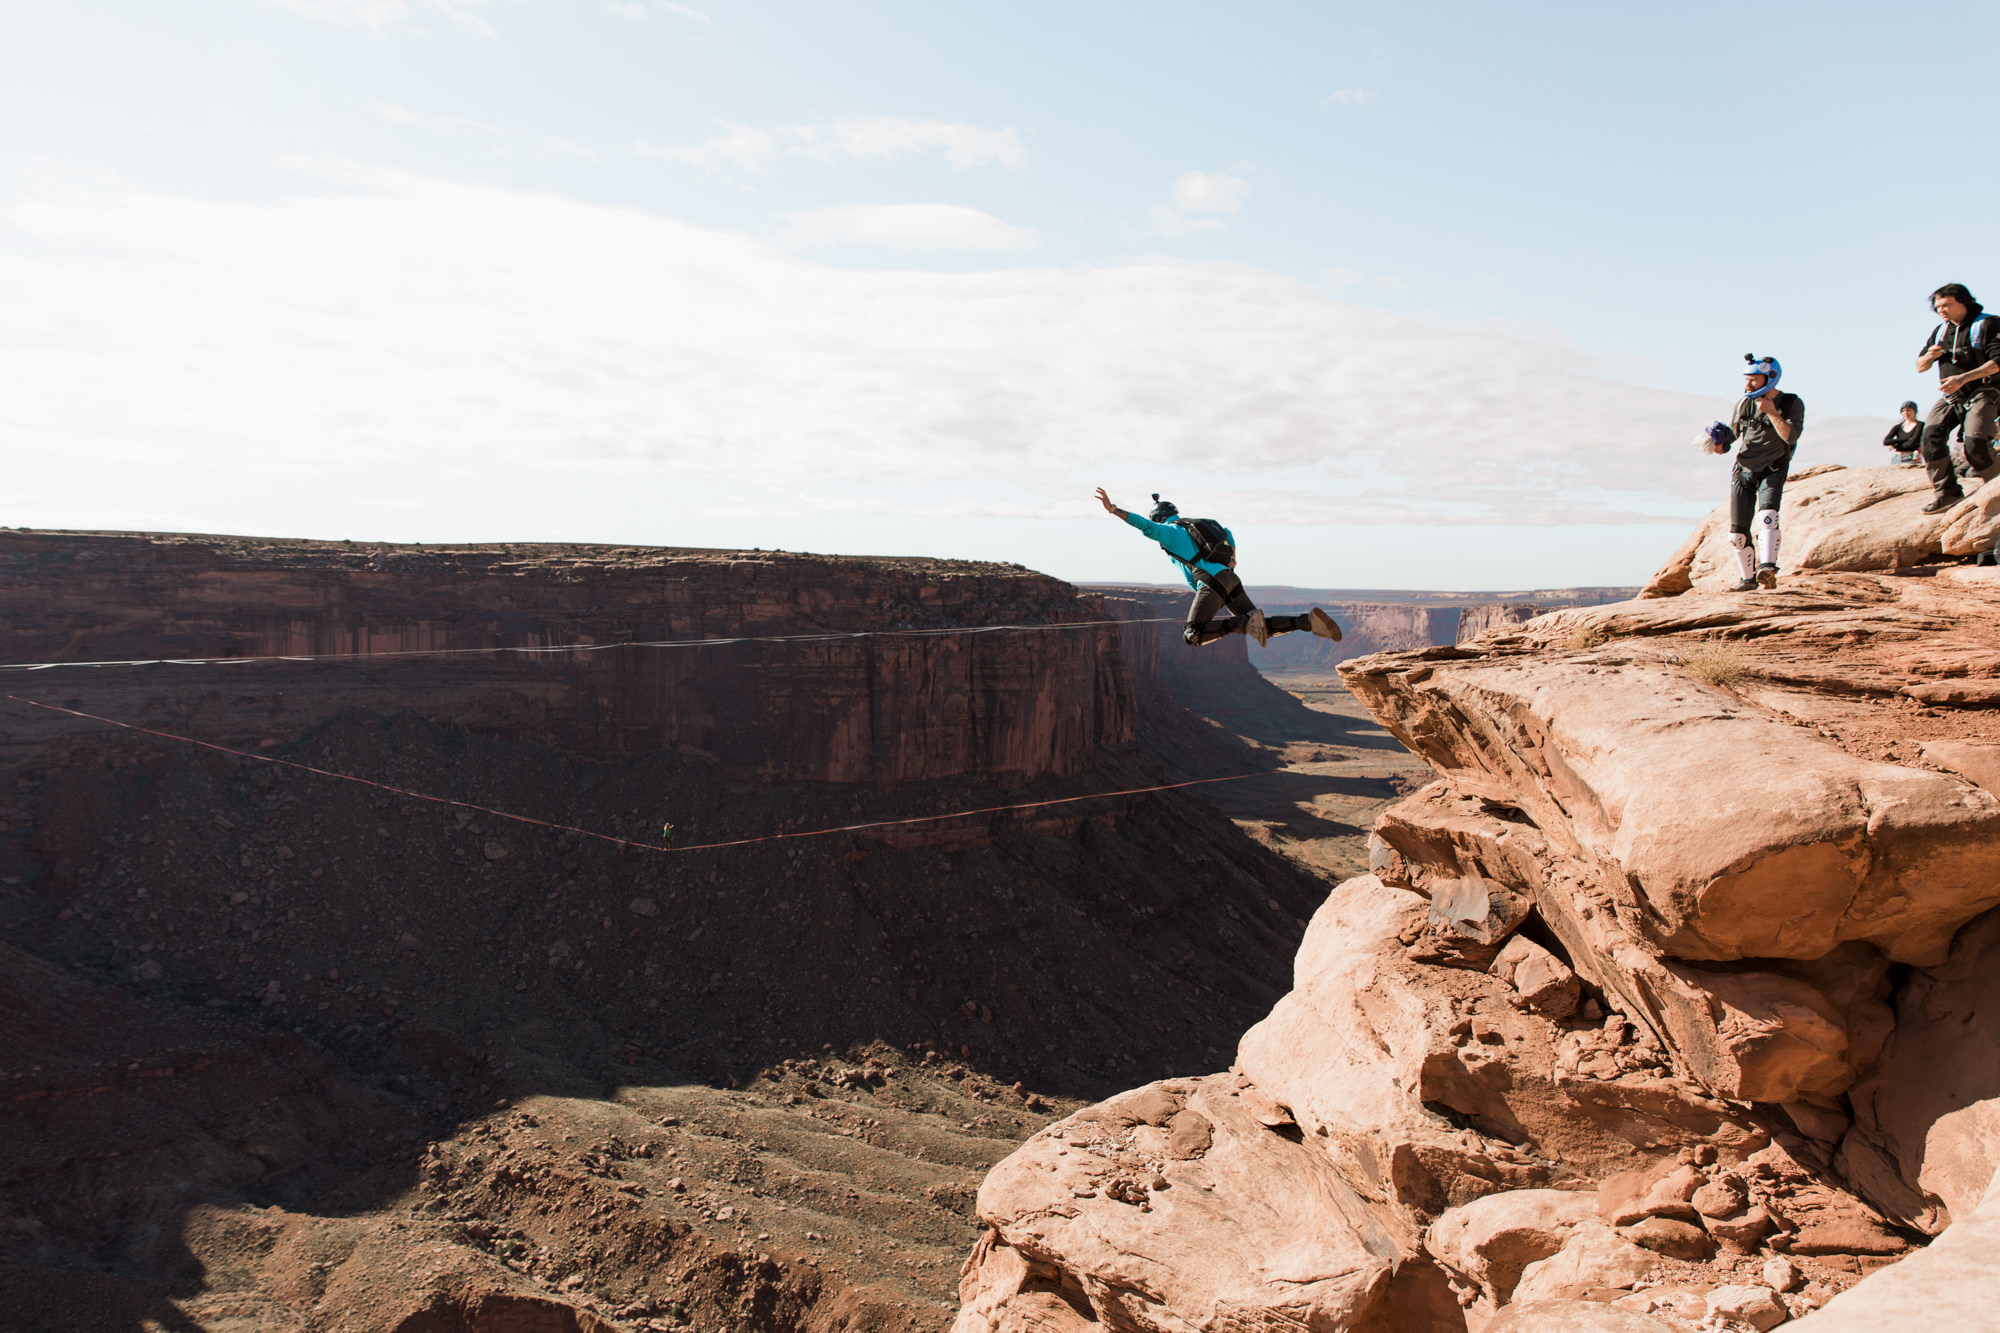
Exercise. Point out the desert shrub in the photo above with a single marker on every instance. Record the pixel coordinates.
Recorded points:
(1591, 636)
(1716, 663)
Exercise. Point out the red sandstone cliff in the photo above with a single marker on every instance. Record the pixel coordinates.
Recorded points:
(1476, 620)
(1366, 627)
(895, 707)
(1663, 1007)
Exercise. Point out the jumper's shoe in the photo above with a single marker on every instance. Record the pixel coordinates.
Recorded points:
(1257, 629)
(1325, 625)
(1767, 576)
(1943, 502)
(1747, 585)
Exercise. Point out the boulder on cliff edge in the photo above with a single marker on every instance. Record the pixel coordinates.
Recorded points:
(1103, 1220)
(1758, 840)
(1833, 518)
(1429, 1094)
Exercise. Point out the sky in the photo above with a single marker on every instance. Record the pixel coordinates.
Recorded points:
(1426, 296)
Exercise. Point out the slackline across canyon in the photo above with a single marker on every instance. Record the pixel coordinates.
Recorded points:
(606, 837)
(825, 637)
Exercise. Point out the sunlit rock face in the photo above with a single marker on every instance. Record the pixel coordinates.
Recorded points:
(1759, 835)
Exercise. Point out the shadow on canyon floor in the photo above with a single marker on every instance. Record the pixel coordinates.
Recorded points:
(333, 1027)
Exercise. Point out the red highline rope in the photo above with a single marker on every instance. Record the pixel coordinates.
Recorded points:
(606, 837)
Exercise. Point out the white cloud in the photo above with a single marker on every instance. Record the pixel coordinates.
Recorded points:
(1348, 97)
(964, 146)
(550, 141)
(739, 146)
(688, 13)
(748, 148)
(1341, 278)
(379, 16)
(402, 115)
(1210, 192)
(1167, 222)
(902, 227)
(627, 11)
(1212, 196)
(387, 320)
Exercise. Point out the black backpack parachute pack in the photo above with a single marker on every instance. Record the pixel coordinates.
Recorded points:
(1211, 542)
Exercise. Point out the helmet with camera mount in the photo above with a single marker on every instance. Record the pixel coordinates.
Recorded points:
(1768, 367)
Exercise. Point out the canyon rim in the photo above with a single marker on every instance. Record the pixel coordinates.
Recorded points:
(1594, 971)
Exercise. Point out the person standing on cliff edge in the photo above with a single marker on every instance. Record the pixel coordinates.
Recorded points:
(1765, 430)
(1963, 348)
(1206, 554)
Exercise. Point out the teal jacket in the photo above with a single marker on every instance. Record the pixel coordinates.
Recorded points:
(1174, 540)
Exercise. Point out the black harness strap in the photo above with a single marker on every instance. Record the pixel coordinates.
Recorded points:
(1207, 579)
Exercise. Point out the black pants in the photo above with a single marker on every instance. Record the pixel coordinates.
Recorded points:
(1202, 627)
(1750, 491)
(1977, 414)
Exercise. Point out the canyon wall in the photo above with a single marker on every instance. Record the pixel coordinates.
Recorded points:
(1195, 704)
(1366, 627)
(235, 980)
(905, 703)
(1476, 620)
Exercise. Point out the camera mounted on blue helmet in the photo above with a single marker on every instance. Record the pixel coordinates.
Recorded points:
(1163, 510)
(1768, 367)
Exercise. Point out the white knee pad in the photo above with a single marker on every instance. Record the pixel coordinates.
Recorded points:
(1746, 566)
(1767, 536)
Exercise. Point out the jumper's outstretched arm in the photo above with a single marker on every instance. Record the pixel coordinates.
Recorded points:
(1109, 508)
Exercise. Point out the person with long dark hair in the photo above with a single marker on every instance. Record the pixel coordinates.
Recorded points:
(1962, 347)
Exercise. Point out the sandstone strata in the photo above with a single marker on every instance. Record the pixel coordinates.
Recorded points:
(774, 666)
(1761, 835)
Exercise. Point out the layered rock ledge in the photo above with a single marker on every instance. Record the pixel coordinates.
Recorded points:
(1665, 1004)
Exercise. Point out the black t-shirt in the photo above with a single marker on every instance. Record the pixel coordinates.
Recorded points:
(1904, 436)
(1758, 444)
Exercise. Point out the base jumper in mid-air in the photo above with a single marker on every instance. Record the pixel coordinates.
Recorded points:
(1206, 554)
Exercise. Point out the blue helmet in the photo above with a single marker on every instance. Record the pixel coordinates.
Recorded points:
(1766, 366)
(1162, 509)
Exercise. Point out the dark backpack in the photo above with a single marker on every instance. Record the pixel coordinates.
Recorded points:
(1211, 542)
